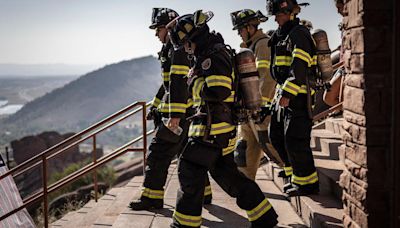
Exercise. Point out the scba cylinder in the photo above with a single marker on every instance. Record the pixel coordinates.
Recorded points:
(323, 54)
(249, 79)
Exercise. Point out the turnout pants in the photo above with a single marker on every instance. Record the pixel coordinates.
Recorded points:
(249, 150)
(158, 160)
(199, 157)
(290, 133)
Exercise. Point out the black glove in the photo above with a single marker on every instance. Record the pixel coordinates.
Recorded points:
(150, 115)
(265, 111)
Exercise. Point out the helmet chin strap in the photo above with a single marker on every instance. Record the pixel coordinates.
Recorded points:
(248, 32)
(190, 51)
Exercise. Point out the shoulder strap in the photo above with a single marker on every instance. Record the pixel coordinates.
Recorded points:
(255, 43)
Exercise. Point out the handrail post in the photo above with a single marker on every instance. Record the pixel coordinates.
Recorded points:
(8, 157)
(144, 136)
(44, 182)
(94, 154)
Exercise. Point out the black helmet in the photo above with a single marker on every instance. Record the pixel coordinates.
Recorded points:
(161, 17)
(188, 27)
(284, 6)
(245, 17)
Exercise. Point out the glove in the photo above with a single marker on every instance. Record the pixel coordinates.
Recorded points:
(151, 114)
(265, 111)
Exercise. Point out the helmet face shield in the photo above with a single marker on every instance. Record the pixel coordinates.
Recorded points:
(188, 27)
(175, 40)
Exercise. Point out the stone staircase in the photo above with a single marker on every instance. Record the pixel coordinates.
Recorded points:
(325, 209)
(112, 210)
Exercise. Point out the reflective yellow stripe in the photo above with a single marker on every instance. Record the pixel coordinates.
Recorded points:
(197, 102)
(177, 107)
(207, 190)
(283, 60)
(314, 60)
(156, 102)
(153, 194)
(301, 54)
(219, 80)
(265, 101)
(288, 170)
(231, 98)
(163, 107)
(198, 84)
(187, 220)
(290, 87)
(165, 76)
(303, 89)
(216, 129)
(190, 103)
(311, 179)
(263, 64)
(258, 211)
(179, 69)
(230, 148)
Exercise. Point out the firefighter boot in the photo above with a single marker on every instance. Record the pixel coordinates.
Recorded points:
(267, 220)
(145, 203)
(282, 174)
(287, 186)
(207, 199)
(303, 190)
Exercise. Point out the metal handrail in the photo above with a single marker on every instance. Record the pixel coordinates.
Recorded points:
(327, 112)
(336, 107)
(74, 140)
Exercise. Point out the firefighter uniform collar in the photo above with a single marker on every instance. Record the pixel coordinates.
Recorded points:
(287, 27)
(258, 35)
(203, 49)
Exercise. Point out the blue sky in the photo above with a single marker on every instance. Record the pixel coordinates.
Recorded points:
(104, 31)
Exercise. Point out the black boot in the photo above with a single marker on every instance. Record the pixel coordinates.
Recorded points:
(286, 187)
(145, 203)
(303, 190)
(267, 220)
(207, 200)
(177, 225)
(282, 174)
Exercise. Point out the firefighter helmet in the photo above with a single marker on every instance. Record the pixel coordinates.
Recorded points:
(284, 6)
(188, 27)
(246, 17)
(161, 17)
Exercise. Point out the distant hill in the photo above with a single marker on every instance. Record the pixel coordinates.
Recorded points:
(86, 100)
(53, 70)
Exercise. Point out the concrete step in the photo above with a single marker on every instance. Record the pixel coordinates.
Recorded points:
(89, 213)
(329, 149)
(320, 125)
(111, 213)
(334, 125)
(223, 213)
(329, 172)
(323, 210)
(318, 134)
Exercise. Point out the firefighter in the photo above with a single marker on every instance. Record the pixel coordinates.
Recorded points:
(212, 132)
(173, 104)
(292, 65)
(253, 139)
